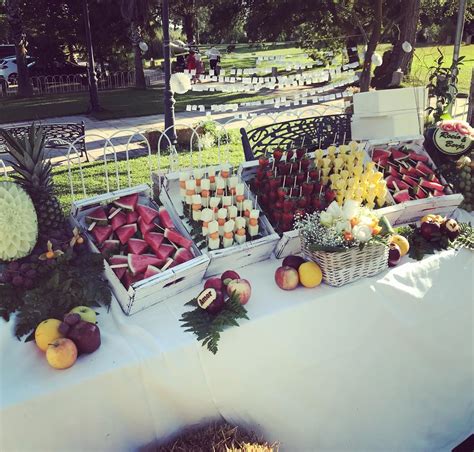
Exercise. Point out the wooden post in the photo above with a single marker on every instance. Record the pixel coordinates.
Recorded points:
(470, 110)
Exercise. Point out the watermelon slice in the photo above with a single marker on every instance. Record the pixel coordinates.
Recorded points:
(118, 220)
(118, 259)
(165, 251)
(98, 216)
(145, 227)
(409, 180)
(165, 219)
(147, 214)
(393, 172)
(130, 278)
(127, 203)
(132, 217)
(438, 193)
(433, 178)
(381, 154)
(400, 185)
(110, 247)
(151, 270)
(154, 239)
(420, 193)
(138, 263)
(418, 157)
(137, 246)
(177, 238)
(397, 155)
(101, 233)
(401, 196)
(126, 232)
(431, 185)
(183, 255)
(423, 169)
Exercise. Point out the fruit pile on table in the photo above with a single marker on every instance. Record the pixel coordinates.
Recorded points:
(138, 240)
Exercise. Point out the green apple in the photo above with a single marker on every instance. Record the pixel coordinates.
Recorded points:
(87, 314)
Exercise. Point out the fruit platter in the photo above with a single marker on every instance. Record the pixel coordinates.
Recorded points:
(149, 254)
(221, 214)
(414, 183)
(295, 182)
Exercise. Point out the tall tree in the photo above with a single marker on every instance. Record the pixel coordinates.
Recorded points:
(136, 13)
(14, 18)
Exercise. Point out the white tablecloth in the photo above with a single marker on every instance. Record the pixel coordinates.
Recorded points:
(386, 363)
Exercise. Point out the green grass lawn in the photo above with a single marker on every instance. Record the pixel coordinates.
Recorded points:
(130, 102)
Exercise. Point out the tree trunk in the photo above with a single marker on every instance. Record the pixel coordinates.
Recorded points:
(25, 89)
(470, 111)
(188, 25)
(371, 46)
(399, 59)
(135, 34)
(351, 43)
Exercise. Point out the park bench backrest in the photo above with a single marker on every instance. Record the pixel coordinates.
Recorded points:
(314, 131)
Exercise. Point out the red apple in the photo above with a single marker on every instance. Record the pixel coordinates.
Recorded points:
(430, 231)
(293, 261)
(394, 254)
(242, 288)
(215, 283)
(286, 278)
(228, 276)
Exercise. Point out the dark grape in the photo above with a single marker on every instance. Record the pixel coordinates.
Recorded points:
(24, 267)
(64, 328)
(31, 273)
(18, 281)
(7, 277)
(28, 283)
(13, 266)
(72, 318)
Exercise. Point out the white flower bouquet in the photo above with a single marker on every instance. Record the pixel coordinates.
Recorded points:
(348, 242)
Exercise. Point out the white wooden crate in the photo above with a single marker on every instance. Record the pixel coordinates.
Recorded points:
(413, 210)
(234, 257)
(158, 288)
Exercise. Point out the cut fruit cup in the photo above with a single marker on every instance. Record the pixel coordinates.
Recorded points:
(137, 238)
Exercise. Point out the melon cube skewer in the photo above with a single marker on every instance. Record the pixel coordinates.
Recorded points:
(214, 205)
(228, 239)
(213, 240)
(197, 204)
(253, 222)
(211, 173)
(190, 190)
(232, 212)
(221, 218)
(205, 192)
(183, 177)
(207, 215)
(240, 232)
(198, 174)
(247, 207)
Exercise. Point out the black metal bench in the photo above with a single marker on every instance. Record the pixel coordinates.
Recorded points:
(57, 135)
(311, 132)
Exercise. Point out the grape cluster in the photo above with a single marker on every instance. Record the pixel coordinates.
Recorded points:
(21, 274)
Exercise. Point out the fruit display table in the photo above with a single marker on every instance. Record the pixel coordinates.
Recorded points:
(384, 363)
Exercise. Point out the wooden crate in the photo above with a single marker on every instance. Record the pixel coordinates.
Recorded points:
(234, 257)
(413, 210)
(158, 288)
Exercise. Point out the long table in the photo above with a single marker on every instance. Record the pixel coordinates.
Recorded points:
(385, 363)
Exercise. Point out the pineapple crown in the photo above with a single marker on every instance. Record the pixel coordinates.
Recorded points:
(33, 171)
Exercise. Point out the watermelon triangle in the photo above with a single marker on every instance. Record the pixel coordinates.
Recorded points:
(101, 233)
(177, 238)
(132, 217)
(183, 255)
(119, 272)
(151, 270)
(165, 251)
(109, 247)
(129, 278)
(138, 263)
(397, 154)
(137, 246)
(165, 219)
(145, 227)
(127, 202)
(98, 216)
(117, 259)
(126, 232)
(118, 220)
(154, 239)
(148, 214)
(401, 196)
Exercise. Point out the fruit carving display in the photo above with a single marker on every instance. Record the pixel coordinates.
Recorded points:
(217, 207)
(292, 183)
(409, 174)
(18, 222)
(139, 240)
(218, 306)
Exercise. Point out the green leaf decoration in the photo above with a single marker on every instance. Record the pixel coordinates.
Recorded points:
(207, 327)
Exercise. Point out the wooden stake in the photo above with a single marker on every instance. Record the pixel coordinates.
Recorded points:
(115, 212)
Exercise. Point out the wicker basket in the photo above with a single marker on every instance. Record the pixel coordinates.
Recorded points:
(344, 267)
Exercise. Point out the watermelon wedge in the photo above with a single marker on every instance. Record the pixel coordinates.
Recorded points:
(392, 171)
(165, 219)
(396, 184)
(154, 239)
(132, 217)
(98, 216)
(151, 270)
(118, 259)
(138, 263)
(126, 232)
(431, 185)
(381, 154)
(177, 238)
(438, 193)
(423, 169)
(409, 180)
(397, 155)
(130, 278)
(418, 157)
(145, 227)
(183, 255)
(101, 233)
(147, 214)
(165, 251)
(401, 196)
(137, 246)
(127, 203)
(110, 247)
(433, 178)
(118, 220)
(420, 193)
